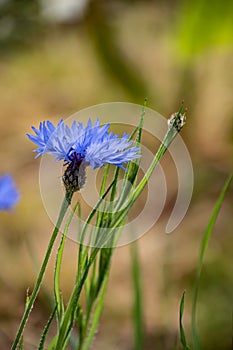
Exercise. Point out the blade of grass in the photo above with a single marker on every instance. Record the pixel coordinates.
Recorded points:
(21, 344)
(52, 343)
(79, 322)
(46, 329)
(182, 333)
(204, 245)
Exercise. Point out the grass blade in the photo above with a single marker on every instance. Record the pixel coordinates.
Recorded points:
(204, 244)
(46, 329)
(182, 334)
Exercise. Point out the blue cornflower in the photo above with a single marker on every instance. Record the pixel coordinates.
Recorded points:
(9, 195)
(80, 146)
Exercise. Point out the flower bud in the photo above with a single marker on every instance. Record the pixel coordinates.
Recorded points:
(74, 177)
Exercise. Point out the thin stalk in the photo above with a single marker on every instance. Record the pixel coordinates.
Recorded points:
(57, 271)
(137, 308)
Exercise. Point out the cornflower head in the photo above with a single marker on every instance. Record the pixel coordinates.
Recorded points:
(80, 146)
(9, 195)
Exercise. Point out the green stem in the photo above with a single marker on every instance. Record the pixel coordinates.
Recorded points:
(46, 329)
(57, 272)
(137, 307)
(162, 149)
(65, 204)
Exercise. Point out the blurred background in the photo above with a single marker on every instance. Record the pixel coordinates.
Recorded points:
(59, 56)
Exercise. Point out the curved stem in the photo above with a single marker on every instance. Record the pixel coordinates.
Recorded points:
(65, 204)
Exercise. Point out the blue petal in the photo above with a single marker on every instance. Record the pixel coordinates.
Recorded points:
(111, 150)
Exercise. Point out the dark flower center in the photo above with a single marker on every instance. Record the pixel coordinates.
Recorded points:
(75, 158)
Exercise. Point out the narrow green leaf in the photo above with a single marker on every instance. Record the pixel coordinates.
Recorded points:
(52, 344)
(80, 323)
(182, 333)
(204, 244)
(104, 263)
(96, 315)
(46, 329)
(21, 344)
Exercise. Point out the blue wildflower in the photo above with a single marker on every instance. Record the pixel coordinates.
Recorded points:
(8, 193)
(80, 146)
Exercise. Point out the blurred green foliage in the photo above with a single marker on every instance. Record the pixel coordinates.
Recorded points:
(113, 60)
(19, 24)
(202, 25)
